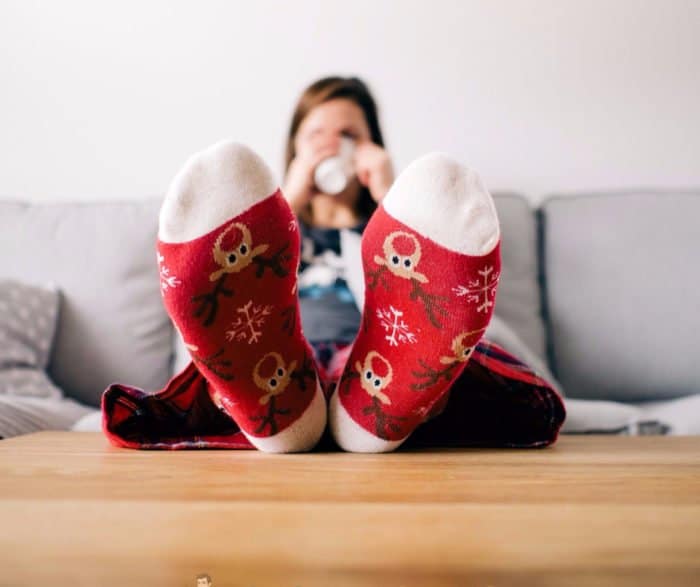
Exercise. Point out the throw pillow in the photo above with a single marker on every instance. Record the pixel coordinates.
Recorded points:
(28, 316)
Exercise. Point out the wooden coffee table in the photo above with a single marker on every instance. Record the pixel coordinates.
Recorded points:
(592, 510)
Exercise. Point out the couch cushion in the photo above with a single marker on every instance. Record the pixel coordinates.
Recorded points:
(622, 294)
(518, 301)
(101, 256)
(23, 415)
(679, 416)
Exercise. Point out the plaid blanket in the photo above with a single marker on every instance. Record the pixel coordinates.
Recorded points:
(497, 401)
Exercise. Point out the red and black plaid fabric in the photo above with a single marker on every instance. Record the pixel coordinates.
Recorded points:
(497, 401)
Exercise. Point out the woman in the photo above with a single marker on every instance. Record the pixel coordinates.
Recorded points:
(327, 111)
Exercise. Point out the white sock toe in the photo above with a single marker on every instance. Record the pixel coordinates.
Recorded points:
(447, 202)
(214, 185)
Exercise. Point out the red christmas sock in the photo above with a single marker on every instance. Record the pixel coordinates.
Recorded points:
(228, 249)
(431, 257)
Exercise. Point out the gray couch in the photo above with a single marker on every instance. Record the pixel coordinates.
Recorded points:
(601, 289)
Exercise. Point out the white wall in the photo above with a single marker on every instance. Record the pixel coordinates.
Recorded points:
(107, 99)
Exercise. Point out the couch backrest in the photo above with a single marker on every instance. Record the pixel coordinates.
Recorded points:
(620, 273)
(518, 301)
(112, 325)
(101, 256)
(622, 293)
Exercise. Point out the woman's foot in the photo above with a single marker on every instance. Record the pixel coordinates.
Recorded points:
(228, 252)
(431, 257)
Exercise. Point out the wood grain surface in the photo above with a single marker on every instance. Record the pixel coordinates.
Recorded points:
(591, 510)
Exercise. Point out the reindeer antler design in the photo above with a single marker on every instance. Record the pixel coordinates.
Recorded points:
(209, 302)
(269, 418)
(374, 276)
(348, 378)
(274, 263)
(431, 376)
(382, 420)
(214, 363)
(431, 302)
(290, 319)
(304, 372)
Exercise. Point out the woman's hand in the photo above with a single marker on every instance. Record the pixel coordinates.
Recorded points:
(374, 169)
(299, 186)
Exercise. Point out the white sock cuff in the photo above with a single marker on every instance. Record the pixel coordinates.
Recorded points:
(215, 184)
(446, 202)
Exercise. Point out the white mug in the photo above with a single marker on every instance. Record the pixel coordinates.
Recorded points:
(332, 175)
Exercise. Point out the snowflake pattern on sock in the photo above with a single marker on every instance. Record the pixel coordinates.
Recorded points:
(246, 326)
(167, 281)
(398, 331)
(481, 291)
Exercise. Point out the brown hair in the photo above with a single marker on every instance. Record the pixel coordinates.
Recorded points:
(324, 90)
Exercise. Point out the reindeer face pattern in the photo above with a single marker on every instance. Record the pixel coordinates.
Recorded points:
(402, 254)
(461, 352)
(375, 375)
(272, 375)
(239, 251)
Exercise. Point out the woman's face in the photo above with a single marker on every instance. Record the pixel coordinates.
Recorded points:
(327, 122)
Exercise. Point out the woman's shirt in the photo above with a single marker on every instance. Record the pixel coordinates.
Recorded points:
(328, 309)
